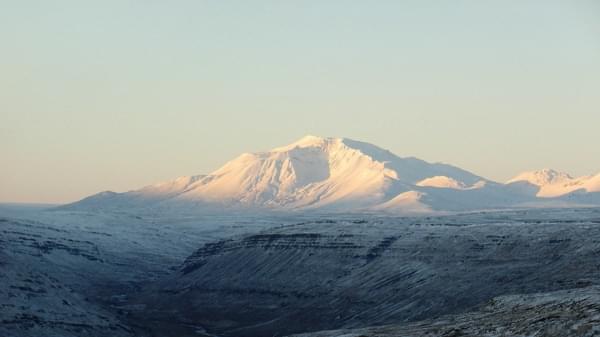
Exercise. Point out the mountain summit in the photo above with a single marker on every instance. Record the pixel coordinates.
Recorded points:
(316, 172)
(327, 174)
(552, 183)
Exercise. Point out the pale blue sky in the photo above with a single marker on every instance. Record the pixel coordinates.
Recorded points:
(98, 95)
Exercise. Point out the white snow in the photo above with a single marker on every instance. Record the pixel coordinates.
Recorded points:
(407, 202)
(552, 183)
(172, 187)
(310, 172)
(341, 174)
(442, 182)
(316, 172)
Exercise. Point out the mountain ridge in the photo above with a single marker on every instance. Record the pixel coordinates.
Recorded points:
(342, 174)
(553, 183)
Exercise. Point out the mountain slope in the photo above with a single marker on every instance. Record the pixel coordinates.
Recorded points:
(551, 183)
(563, 313)
(340, 174)
(329, 273)
(316, 172)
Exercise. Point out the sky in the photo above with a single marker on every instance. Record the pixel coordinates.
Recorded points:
(117, 94)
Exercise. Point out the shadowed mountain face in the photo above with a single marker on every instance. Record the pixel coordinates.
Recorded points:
(342, 274)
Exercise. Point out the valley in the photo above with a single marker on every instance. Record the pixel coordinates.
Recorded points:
(68, 273)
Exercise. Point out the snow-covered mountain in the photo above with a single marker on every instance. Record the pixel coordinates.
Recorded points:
(338, 174)
(552, 184)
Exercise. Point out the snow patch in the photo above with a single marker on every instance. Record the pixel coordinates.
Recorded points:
(442, 182)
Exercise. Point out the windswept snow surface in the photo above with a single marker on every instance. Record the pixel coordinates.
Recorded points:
(341, 175)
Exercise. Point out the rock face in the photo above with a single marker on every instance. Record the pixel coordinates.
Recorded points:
(339, 274)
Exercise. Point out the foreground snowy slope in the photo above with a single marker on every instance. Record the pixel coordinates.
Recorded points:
(340, 174)
(565, 313)
(331, 273)
(68, 273)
